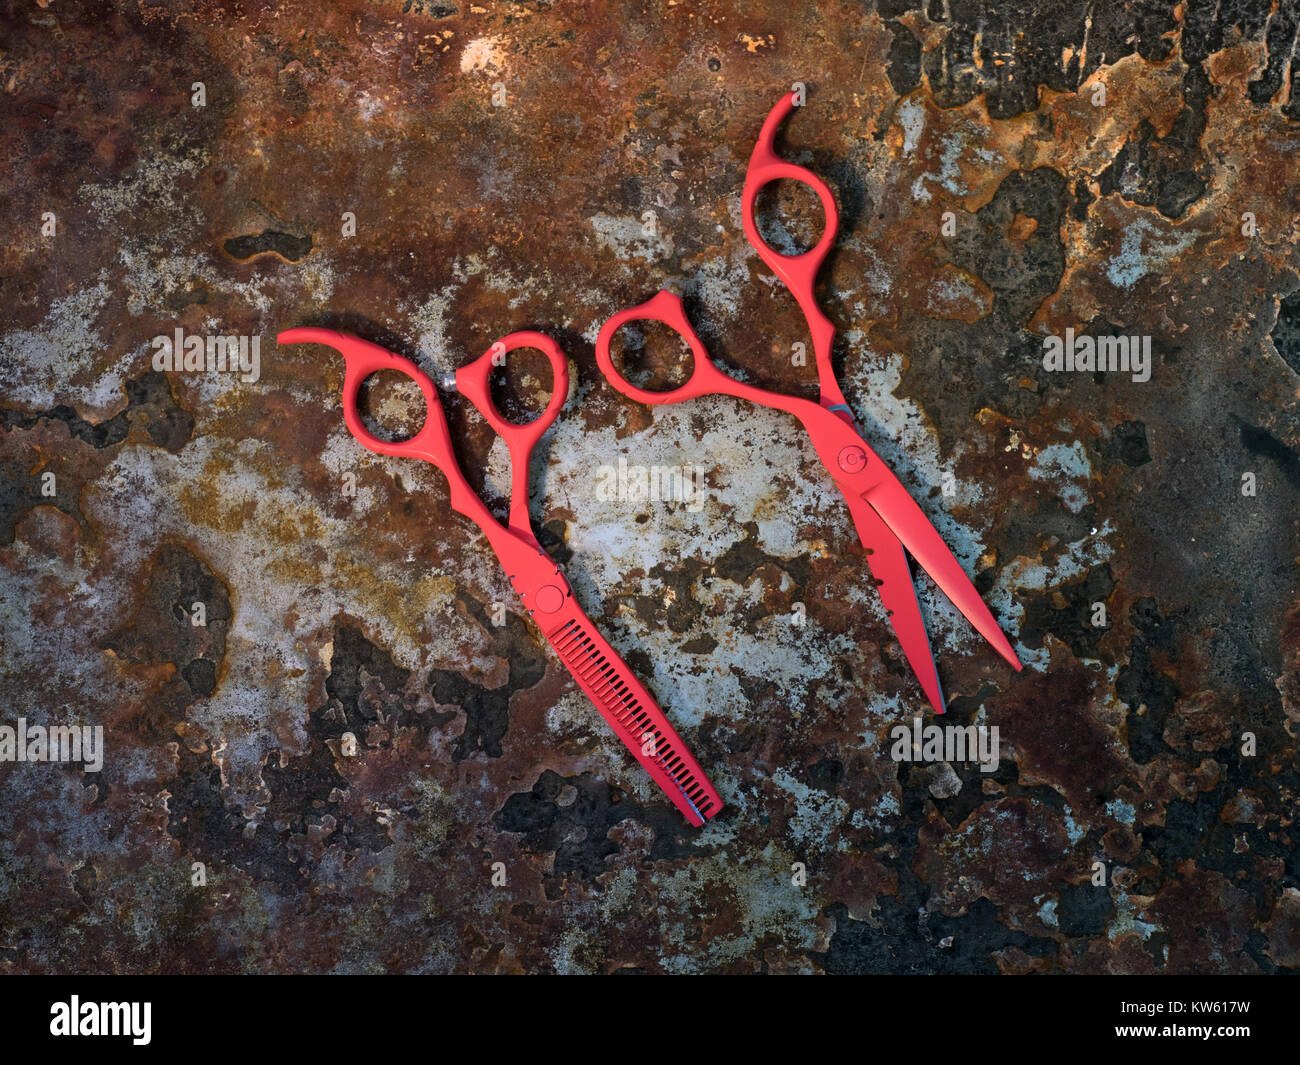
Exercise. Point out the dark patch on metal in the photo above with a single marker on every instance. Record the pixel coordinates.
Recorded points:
(1165, 172)
(20, 491)
(365, 687)
(825, 774)
(150, 401)
(741, 563)
(426, 7)
(182, 618)
(1286, 333)
(1259, 441)
(1084, 910)
(1022, 272)
(1279, 40)
(576, 832)
(901, 941)
(285, 843)
(288, 246)
(551, 537)
(1147, 689)
(904, 68)
(1082, 198)
(1127, 443)
(1066, 612)
(1009, 51)
(487, 710)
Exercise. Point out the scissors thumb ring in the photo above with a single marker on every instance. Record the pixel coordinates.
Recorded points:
(474, 382)
(798, 272)
(362, 359)
(666, 307)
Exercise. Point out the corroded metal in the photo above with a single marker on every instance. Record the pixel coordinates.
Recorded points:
(536, 166)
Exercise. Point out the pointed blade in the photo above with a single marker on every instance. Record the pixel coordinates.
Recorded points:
(900, 512)
(893, 576)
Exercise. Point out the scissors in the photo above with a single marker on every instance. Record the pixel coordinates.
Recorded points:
(888, 520)
(542, 588)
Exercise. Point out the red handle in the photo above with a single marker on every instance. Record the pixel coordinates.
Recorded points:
(667, 308)
(474, 381)
(798, 272)
(532, 573)
(432, 443)
(705, 379)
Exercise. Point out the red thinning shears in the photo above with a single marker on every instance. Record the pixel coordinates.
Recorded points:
(545, 593)
(888, 520)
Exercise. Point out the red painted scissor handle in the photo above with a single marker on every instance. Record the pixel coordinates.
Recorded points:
(847, 457)
(830, 424)
(797, 272)
(474, 381)
(705, 377)
(529, 568)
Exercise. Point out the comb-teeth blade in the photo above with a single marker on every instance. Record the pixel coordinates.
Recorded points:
(889, 566)
(908, 522)
(634, 716)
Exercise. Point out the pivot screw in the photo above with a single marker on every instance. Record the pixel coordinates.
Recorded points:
(549, 599)
(853, 459)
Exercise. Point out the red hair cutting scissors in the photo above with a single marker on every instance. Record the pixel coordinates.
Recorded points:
(546, 595)
(887, 518)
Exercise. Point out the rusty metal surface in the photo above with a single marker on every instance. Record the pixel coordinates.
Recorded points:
(370, 613)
